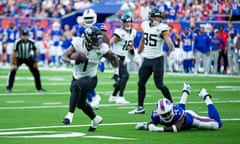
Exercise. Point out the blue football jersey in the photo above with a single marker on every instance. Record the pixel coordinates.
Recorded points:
(1, 34)
(39, 33)
(11, 35)
(32, 32)
(56, 37)
(187, 41)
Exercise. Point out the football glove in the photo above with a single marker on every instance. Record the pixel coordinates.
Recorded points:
(142, 126)
(154, 128)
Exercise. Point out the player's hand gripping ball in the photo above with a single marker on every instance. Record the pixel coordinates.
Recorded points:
(79, 57)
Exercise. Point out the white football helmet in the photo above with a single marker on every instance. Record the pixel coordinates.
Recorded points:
(89, 17)
(164, 108)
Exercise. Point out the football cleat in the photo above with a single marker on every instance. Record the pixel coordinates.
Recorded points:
(112, 98)
(121, 100)
(186, 88)
(138, 110)
(68, 118)
(94, 123)
(8, 90)
(66, 121)
(41, 91)
(203, 94)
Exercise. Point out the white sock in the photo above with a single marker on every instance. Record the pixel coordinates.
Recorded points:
(69, 116)
(183, 99)
(208, 100)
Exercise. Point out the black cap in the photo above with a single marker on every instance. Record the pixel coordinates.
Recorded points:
(25, 32)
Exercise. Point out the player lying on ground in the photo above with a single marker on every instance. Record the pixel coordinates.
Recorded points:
(175, 118)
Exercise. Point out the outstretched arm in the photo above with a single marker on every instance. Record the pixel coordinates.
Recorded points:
(174, 128)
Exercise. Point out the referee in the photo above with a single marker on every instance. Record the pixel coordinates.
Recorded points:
(22, 53)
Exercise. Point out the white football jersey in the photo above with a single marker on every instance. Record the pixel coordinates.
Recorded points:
(125, 40)
(88, 68)
(153, 42)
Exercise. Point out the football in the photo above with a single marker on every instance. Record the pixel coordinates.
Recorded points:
(77, 54)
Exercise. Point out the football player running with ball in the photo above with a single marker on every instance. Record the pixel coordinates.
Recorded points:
(151, 48)
(175, 118)
(85, 71)
(122, 43)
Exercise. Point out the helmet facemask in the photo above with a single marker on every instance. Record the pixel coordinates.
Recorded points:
(154, 22)
(167, 117)
(89, 21)
(127, 25)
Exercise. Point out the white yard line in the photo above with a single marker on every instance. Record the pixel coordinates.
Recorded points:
(55, 105)
(234, 88)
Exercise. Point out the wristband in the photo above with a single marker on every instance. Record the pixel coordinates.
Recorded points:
(72, 62)
(174, 128)
(116, 71)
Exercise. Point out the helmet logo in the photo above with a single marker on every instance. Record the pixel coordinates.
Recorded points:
(162, 105)
(88, 11)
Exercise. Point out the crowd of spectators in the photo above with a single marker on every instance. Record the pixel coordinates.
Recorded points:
(191, 10)
(173, 10)
(41, 8)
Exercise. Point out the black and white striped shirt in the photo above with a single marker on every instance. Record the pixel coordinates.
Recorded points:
(24, 49)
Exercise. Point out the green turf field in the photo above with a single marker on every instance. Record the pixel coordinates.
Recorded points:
(27, 117)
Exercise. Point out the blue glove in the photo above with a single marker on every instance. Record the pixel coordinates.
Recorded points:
(101, 66)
